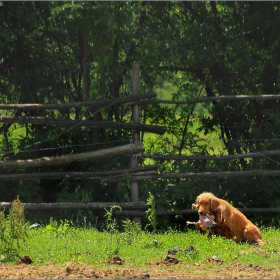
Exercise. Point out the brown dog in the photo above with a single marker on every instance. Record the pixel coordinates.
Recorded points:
(233, 224)
(216, 228)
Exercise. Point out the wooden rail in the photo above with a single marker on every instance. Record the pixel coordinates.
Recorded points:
(137, 209)
(73, 205)
(131, 148)
(62, 106)
(190, 211)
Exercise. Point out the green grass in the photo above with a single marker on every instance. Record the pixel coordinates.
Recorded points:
(137, 248)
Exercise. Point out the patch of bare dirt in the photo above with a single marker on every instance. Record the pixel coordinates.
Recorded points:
(168, 268)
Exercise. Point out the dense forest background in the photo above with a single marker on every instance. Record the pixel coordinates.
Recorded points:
(59, 52)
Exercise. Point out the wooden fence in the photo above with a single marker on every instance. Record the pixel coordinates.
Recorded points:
(134, 208)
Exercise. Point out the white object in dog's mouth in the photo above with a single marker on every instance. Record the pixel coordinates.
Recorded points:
(205, 221)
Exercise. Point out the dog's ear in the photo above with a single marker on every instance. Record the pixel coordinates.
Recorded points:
(215, 207)
(214, 204)
(218, 218)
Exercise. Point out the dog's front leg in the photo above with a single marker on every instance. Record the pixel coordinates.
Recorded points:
(210, 232)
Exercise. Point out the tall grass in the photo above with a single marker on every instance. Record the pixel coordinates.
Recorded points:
(61, 241)
(137, 248)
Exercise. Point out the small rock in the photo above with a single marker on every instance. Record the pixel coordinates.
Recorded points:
(173, 251)
(171, 259)
(189, 248)
(144, 276)
(214, 259)
(25, 260)
(116, 258)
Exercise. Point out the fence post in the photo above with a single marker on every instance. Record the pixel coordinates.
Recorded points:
(134, 193)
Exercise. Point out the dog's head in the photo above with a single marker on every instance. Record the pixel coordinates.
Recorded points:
(206, 202)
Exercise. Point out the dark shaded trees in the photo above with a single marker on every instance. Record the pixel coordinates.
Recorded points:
(58, 52)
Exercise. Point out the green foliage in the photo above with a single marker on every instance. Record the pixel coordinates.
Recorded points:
(61, 228)
(61, 52)
(132, 231)
(114, 242)
(116, 239)
(111, 223)
(124, 187)
(12, 231)
(151, 212)
(145, 247)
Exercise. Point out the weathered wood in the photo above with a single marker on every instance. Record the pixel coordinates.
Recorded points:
(214, 157)
(158, 213)
(130, 148)
(131, 100)
(150, 169)
(59, 106)
(121, 178)
(134, 189)
(243, 210)
(140, 175)
(190, 211)
(73, 205)
(197, 175)
(128, 208)
(210, 99)
(132, 213)
(96, 124)
(259, 210)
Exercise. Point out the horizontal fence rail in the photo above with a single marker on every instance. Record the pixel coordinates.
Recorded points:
(185, 175)
(131, 148)
(190, 211)
(80, 175)
(95, 103)
(89, 123)
(243, 98)
(213, 157)
(128, 208)
(73, 205)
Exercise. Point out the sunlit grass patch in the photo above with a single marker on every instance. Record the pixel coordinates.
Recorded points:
(96, 248)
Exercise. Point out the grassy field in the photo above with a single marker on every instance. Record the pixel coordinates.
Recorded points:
(61, 250)
(64, 243)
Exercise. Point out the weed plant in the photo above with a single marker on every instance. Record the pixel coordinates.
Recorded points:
(12, 231)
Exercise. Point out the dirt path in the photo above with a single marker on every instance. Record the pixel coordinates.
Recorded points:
(160, 271)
